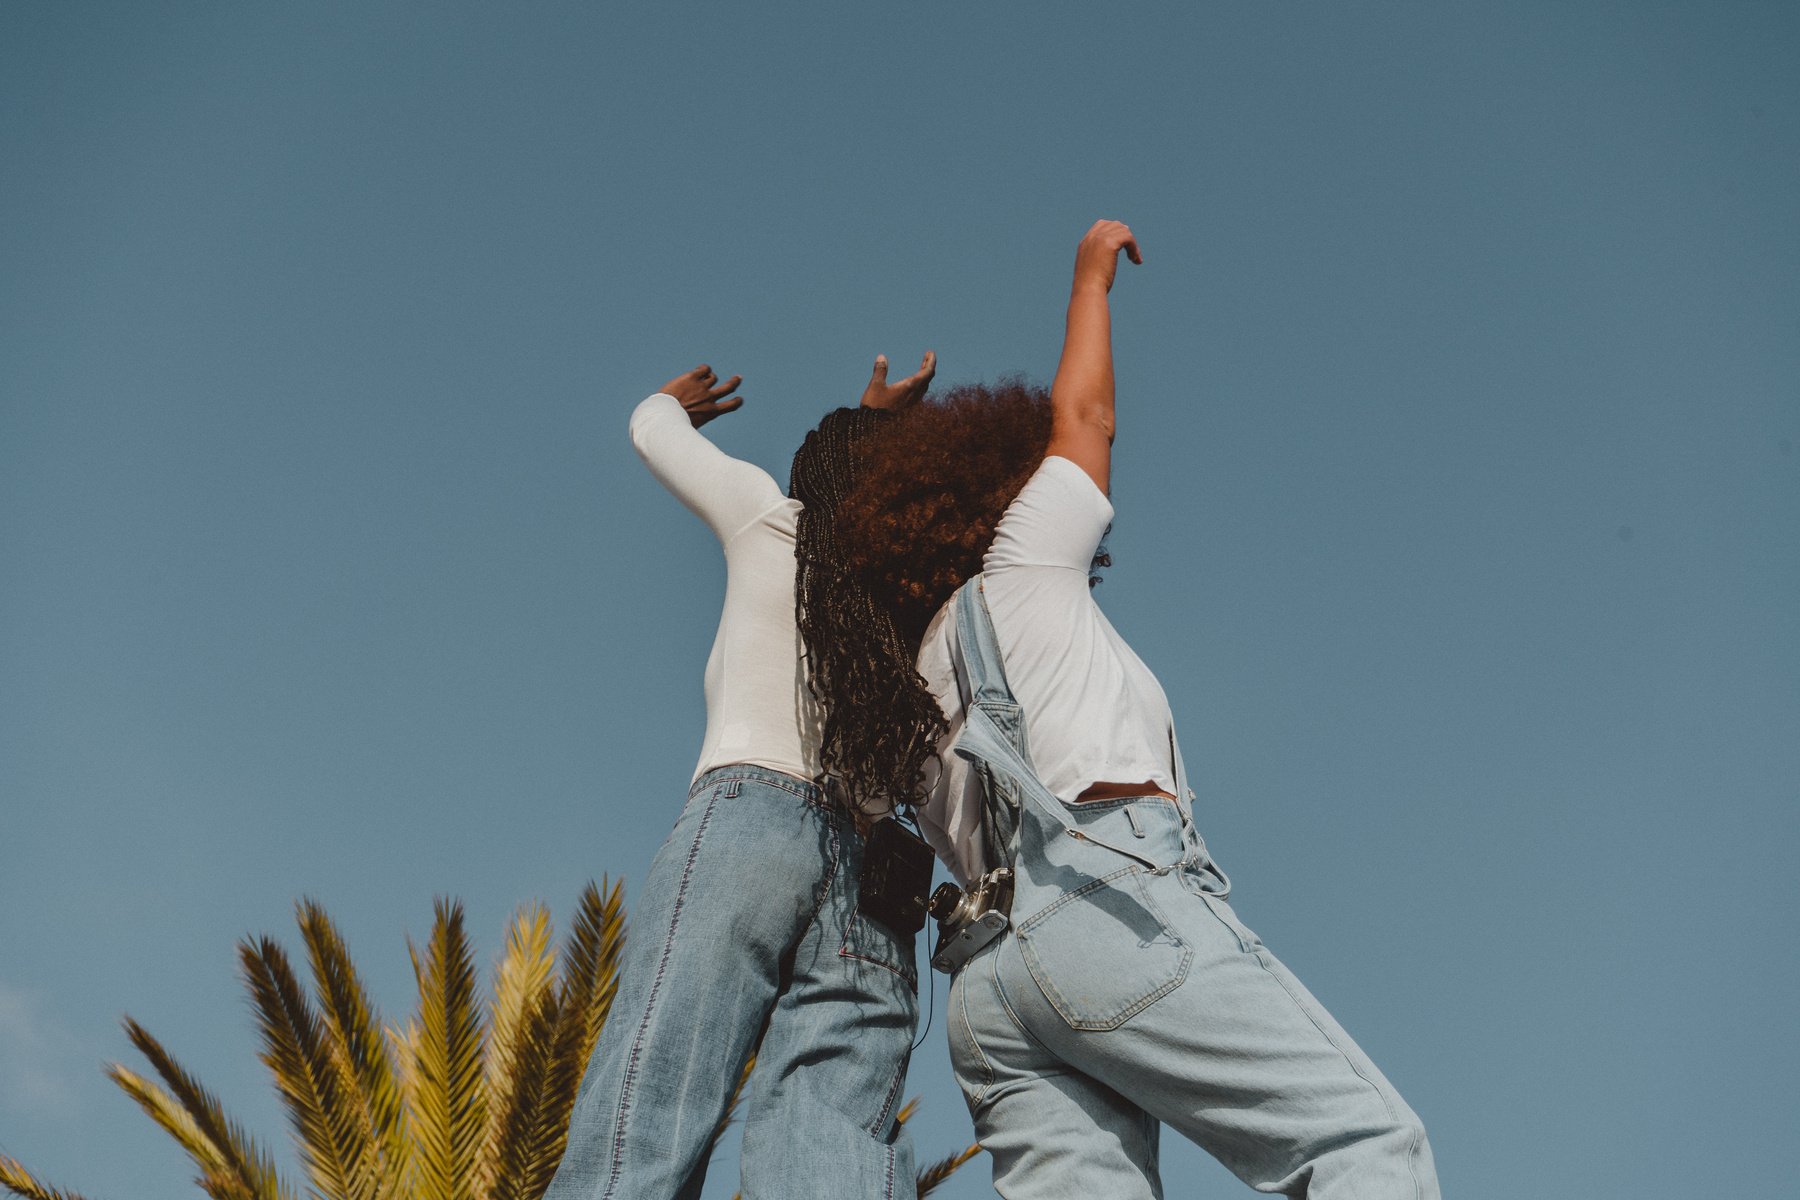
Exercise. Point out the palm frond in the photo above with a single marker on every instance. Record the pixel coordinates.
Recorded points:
(934, 1175)
(591, 958)
(524, 1151)
(224, 1187)
(590, 979)
(174, 1118)
(17, 1180)
(523, 981)
(353, 1028)
(447, 1104)
(331, 1139)
(234, 1153)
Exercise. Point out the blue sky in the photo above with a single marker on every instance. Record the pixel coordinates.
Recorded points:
(1458, 499)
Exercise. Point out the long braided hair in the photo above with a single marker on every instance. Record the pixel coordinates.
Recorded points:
(880, 721)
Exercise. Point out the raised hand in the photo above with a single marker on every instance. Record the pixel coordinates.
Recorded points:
(698, 394)
(904, 394)
(1097, 258)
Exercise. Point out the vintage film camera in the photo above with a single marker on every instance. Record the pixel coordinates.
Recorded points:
(896, 874)
(969, 920)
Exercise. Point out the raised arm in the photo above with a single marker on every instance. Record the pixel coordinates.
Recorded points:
(725, 492)
(1081, 397)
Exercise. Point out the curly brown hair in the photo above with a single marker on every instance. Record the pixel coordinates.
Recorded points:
(932, 485)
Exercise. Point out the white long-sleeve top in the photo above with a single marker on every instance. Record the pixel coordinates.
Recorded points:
(1093, 711)
(758, 707)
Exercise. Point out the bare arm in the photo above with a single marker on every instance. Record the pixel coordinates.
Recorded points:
(1081, 397)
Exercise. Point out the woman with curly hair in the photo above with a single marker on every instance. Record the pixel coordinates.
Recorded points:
(1123, 992)
(750, 914)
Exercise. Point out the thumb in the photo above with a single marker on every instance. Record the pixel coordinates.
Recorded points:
(880, 373)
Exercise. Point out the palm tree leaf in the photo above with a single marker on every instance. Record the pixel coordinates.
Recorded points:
(447, 1106)
(591, 958)
(523, 980)
(590, 979)
(944, 1168)
(906, 1111)
(16, 1179)
(234, 1153)
(217, 1178)
(331, 1139)
(366, 1073)
(525, 1148)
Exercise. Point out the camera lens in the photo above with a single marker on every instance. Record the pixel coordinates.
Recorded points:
(944, 901)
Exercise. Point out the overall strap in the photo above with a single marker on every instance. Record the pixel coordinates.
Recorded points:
(980, 646)
(996, 723)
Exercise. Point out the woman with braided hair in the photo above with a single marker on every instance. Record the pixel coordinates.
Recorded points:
(1121, 992)
(749, 915)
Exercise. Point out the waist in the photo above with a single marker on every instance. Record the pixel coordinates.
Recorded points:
(805, 789)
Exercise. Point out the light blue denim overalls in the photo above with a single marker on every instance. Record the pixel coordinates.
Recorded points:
(1129, 994)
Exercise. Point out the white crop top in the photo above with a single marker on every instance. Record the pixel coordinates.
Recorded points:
(1093, 711)
(758, 707)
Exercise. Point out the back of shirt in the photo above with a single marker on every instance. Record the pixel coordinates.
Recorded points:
(758, 706)
(1093, 711)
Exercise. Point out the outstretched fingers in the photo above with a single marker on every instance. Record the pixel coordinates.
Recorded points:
(702, 395)
(909, 391)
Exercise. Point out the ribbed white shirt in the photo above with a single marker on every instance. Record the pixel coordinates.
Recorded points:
(758, 707)
(1093, 711)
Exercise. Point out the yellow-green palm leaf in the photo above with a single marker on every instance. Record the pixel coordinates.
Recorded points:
(590, 979)
(447, 1103)
(16, 1179)
(935, 1174)
(334, 1146)
(233, 1162)
(353, 1032)
(523, 986)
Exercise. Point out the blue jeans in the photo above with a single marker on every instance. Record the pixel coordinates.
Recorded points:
(749, 914)
(1128, 995)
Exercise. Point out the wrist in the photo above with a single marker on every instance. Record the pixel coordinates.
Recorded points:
(1089, 286)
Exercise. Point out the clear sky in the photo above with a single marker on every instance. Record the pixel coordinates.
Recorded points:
(1458, 499)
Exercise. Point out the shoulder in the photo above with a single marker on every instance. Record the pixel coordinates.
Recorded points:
(1057, 520)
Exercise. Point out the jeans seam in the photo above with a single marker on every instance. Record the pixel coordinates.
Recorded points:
(828, 877)
(1014, 1016)
(845, 952)
(887, 1107)
(1349, 1062)
(637, 1043)
(987, 1068)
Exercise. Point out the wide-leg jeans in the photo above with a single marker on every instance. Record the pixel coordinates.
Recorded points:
(749, 915)
(1136, 997)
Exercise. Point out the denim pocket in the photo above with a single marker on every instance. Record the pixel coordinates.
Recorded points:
(870, 941)
(1104, 952)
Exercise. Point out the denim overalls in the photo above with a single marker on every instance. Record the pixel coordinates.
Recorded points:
(1128, 994)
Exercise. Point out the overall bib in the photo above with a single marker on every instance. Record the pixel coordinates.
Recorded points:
(1128, 995)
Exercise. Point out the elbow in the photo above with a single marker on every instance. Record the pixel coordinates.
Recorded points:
(644, 419)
